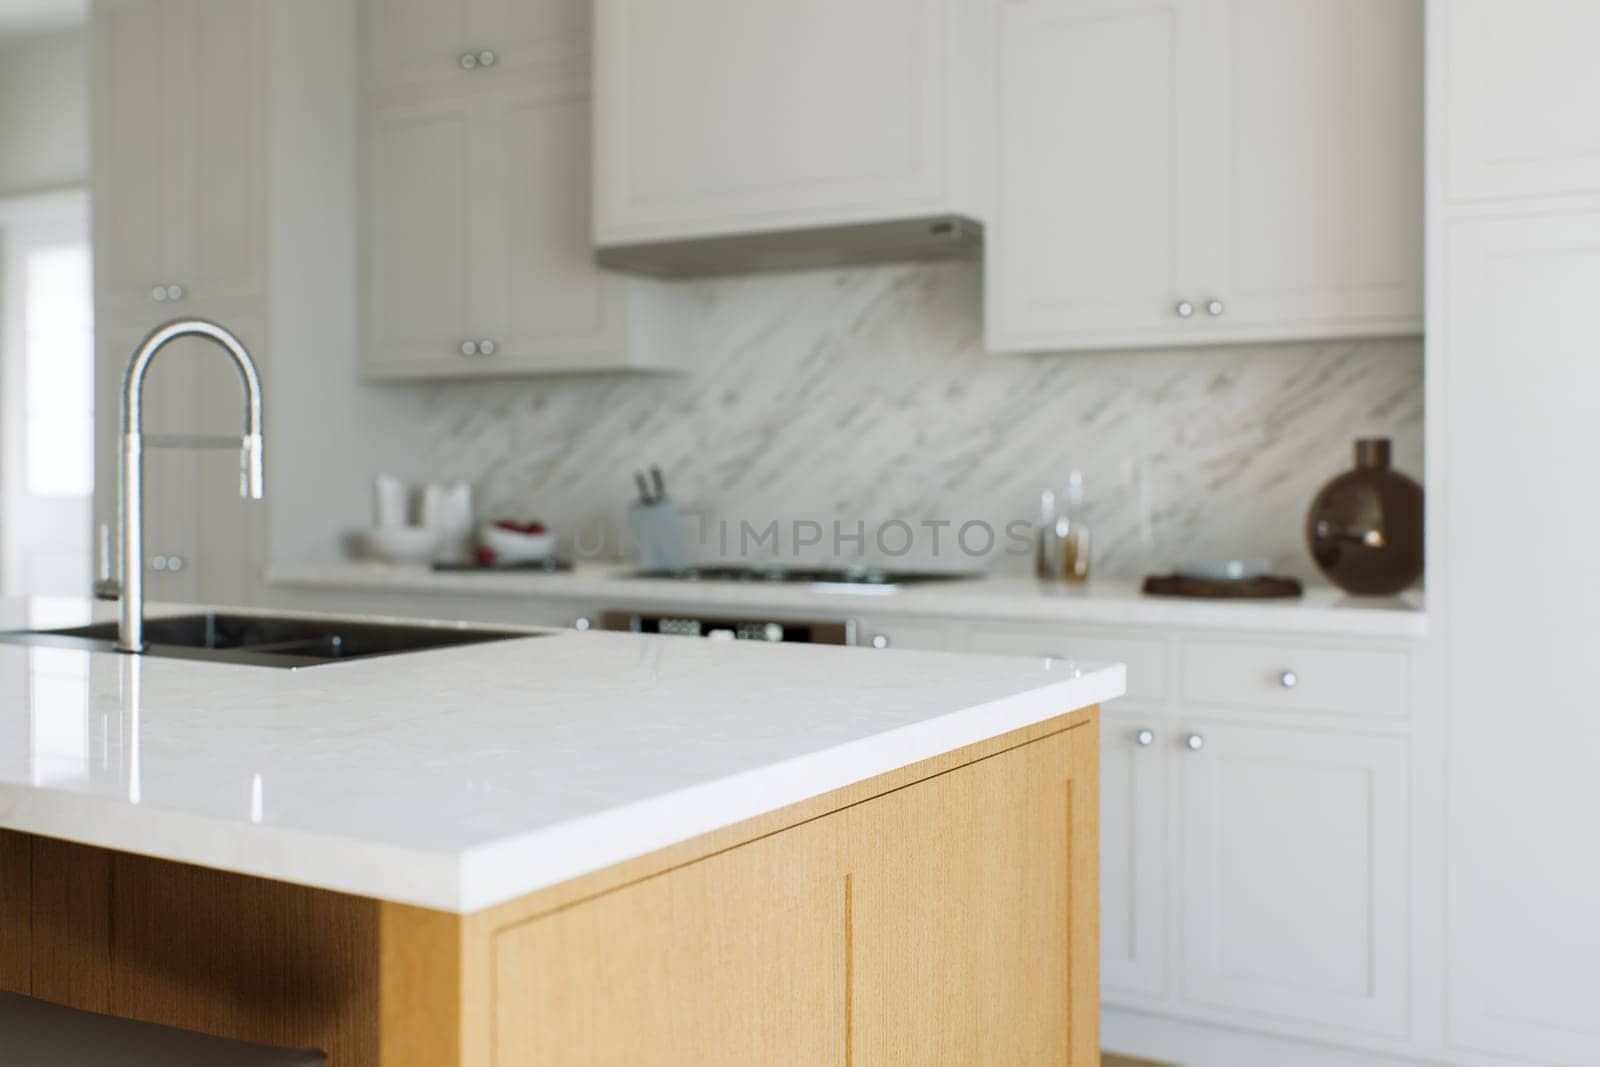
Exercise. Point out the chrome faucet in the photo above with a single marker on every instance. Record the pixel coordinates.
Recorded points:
(130, 485)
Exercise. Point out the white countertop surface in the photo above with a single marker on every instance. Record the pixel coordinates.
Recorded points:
(1322, 610)
(460, 778)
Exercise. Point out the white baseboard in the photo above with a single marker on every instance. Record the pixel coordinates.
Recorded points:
(1188, 1044)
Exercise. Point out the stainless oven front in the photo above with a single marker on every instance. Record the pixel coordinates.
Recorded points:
(734, 627)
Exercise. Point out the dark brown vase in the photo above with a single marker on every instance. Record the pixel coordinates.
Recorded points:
(1365, 527)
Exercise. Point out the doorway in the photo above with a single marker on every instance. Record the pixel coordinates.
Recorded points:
(46, 395)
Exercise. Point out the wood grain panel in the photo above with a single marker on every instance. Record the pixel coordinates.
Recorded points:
(740, 959)
(953, 920)
(983, 943)
(72, 924)
(16, 912)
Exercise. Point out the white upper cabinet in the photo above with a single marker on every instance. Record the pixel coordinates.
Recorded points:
(477, 235)
(1518, 89)
(463, 43)
(1181, 172)
(720, 117)
(1085, 246)
(179, 159)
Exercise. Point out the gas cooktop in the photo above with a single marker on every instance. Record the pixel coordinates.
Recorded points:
(852, 578)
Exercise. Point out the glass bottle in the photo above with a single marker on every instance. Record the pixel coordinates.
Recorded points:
(1072, 534)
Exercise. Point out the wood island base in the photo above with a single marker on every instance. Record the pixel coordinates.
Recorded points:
(945, 912)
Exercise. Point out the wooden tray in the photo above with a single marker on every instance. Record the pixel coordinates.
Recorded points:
(1265, 588)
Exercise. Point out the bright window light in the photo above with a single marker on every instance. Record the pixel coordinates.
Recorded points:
(58, 353)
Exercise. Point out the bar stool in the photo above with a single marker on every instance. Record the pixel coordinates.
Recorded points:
(35, 1033)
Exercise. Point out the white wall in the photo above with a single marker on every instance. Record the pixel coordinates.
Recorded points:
(44, 112)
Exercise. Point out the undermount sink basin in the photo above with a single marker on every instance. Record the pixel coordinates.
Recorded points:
(265, 640)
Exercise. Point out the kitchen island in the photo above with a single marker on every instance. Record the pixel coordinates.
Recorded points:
(562, 848)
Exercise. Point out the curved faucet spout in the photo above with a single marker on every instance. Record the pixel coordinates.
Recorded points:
(252, 482)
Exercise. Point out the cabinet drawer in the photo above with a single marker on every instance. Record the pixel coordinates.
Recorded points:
(1351, 681)
(1146, 658)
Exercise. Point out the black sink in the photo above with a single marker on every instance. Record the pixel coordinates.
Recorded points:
(266, 640)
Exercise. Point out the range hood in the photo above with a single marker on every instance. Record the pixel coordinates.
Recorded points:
(930, 237)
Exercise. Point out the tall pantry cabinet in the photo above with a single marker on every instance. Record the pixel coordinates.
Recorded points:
(224, 150)
(1514, 431)
(178, 188)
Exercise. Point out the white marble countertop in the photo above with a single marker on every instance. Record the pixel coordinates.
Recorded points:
(1322, 610)
(459, 778)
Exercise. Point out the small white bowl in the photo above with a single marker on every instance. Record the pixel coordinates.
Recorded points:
(400, 544)
(511, 546)
(1224, 570)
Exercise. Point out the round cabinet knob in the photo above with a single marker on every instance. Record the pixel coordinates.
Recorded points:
(1214, 308)
(582, 622)
(159, 294)
(469, 348)
(486, 347)
(174, 292)
(486, 58)
(158, 563)
(1184, 309)
(1194, 742)
(1288, 679)
(880, 640)
(1145, 738)
(469, 60)
(174, 563)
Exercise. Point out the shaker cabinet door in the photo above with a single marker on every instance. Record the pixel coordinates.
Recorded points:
(420, 175)
(222, 106)
(1517, 91)
(1095, 142)
(137, 160)
(1314, 169)
(1520, 340)
(545, 302)
(1294, 886)
(180, 162)
(1189, 172)
(1134, 752)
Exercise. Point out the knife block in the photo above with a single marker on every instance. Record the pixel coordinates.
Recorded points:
(657, 535)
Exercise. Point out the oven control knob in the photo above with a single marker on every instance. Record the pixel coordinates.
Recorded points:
(880, 640)
(772, 631)
(582, 622)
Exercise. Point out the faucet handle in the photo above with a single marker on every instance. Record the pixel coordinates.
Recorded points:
(106, 587)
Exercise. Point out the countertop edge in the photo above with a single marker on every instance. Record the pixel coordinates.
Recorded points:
(491, 874)
(607, 838)
(981, 600)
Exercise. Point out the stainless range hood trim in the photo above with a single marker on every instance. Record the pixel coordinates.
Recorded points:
(934, 237)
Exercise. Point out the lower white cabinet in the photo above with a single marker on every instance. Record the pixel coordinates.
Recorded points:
(1257, 811)
(1293, 886)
